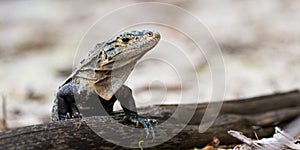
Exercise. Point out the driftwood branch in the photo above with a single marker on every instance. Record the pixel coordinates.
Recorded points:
(280, 140)
(259, 114)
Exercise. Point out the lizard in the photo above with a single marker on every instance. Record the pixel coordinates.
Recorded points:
(98, 81)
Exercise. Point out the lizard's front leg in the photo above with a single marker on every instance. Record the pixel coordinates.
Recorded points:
(125, 97)
(64, 105)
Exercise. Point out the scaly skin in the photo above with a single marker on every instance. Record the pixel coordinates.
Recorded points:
(98, 81)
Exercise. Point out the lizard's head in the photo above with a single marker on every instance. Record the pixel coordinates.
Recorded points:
(118, 57)
(135, 41)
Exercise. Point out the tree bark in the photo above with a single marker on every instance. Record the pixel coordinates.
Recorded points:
(259, 114)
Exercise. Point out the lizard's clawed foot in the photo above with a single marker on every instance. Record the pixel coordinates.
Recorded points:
(148, 124)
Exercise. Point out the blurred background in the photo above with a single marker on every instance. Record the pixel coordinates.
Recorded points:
(39, 39)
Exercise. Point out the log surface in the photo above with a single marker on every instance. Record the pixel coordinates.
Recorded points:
(259, 114)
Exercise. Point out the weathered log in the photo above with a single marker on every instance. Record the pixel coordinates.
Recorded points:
(259, 114)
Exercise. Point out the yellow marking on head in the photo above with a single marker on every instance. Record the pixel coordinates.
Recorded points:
(119, 40)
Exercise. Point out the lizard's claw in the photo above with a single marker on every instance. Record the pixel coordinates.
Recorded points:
(147, 124)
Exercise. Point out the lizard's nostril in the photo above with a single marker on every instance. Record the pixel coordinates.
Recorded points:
(157, 35)
(150, 34)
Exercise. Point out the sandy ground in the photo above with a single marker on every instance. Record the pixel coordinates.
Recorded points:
(41, 41)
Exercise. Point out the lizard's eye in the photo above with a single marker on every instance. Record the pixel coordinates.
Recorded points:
(125, 40)
(136, 38)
